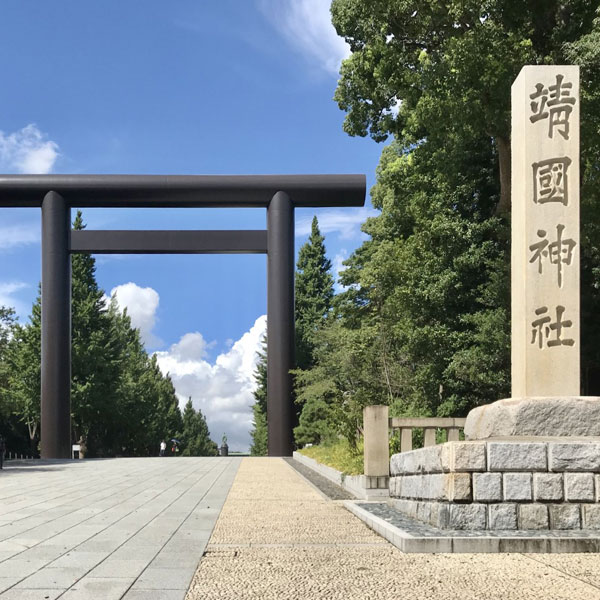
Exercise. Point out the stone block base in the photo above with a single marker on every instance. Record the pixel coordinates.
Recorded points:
(535, 416)
(499, 484)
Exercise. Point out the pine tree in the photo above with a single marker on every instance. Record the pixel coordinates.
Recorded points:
(95, 359)
(259, 408)
(196, 437)
(121, 404)
(313, 294)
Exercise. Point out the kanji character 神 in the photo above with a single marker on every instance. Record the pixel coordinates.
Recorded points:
(559, 252)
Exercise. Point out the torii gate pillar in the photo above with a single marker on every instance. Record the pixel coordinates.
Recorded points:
(280, 324)
(56, 328)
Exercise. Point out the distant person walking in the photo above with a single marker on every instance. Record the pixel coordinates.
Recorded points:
(2, 451)
(163, 447)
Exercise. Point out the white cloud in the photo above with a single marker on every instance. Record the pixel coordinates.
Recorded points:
(18, 235)
(141, 304)
(306, 25)
(7, 291)
(345, 222)
(223, 390)
(338, 267)
(27, 151)
(191, 347)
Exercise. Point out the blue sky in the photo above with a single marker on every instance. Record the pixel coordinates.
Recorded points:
(149, 87)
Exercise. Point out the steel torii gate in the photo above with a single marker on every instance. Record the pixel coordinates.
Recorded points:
(279, 194)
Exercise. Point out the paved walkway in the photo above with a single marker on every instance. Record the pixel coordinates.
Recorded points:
(277, 537)
(136, 529)
(107, 529)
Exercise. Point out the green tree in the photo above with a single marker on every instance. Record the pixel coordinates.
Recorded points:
(313, 294)
(433, 70)
(130, 431)
(424, 323)
(146, 407)
(439, 75)
(121, 404)
(313, 298)
(24, 355)
(259, 434)
(95, 354)
(12, 426)
(196, 437)
(7, 329)
(433, 281)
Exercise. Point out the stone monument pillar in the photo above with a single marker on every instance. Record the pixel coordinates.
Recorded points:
(545, 232)
(532, 461)
(546, 397)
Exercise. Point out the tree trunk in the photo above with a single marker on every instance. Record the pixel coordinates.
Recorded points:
(503, 147)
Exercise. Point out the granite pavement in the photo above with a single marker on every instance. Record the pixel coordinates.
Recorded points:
(107, 529)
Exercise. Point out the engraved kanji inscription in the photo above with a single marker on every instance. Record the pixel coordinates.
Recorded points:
(550, 180)
(558, 252)
(554, 103)
(548, 333)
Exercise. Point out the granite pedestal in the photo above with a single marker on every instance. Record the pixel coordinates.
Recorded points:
(501, 484)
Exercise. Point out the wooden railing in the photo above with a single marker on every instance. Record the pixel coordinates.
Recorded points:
(429, 425)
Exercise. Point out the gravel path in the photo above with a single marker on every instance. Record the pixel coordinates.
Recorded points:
(277, 537)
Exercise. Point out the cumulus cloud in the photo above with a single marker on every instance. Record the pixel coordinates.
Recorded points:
(18, 235)
(223, 390)
(191, 347)
(7, 296)
(27, 151)
(345, 222)
(141, 304)
(306, 26)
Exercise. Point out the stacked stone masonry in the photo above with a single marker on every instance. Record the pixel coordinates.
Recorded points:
(500, 484)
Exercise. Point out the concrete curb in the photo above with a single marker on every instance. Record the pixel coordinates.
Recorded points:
(355, 484)
(536, 543)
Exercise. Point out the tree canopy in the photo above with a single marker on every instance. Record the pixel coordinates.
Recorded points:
(423, 324)
(434, 70)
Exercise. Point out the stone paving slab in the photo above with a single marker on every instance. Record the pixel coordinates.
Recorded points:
(104, 529)
(277, 537)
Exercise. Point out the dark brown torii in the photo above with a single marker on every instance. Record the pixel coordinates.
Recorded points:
(279, 194)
